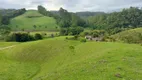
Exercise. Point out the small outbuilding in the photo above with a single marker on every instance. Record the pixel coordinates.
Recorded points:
(88, 37)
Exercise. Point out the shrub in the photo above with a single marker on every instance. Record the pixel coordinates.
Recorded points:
(135, 38)
(38, 36)
(23, 29)
(75, 37)
(19, 37)
(72, 47)
(111, 39)
(83, 40)
(52, 35)
(67, 38)
(84, 34)
(71, 31)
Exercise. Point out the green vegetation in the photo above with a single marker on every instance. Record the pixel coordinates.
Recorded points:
(38, 36)
(129, 36)
(23, 37)
(33, 21)
(6, 44)
(61, 59)
(70, 57)
(88, 14)
(4, 31)
(45, 33)
(8, 14)
(70, 23)
(116, 22)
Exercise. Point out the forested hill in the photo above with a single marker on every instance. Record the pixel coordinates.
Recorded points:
(6, 11)
(87, 13)
(117, 21)
(82, 14)
(8, 14)
(111, 22)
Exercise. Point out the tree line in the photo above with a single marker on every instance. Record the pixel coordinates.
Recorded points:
(69, 23)
(117, 21)
(7, 14)
(112, 23)
(23, 37)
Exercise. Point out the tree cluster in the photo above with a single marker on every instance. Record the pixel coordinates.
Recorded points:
(71, 31)
(68, 19)
(23, 37)
(68, 22)
(87, 14)
(117, 21)
(94, 33)
(4, 31)
(7, 14)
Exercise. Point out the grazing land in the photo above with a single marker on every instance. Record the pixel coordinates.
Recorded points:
(61, 59)
(129, 36)
(62, 45)
(32, 20)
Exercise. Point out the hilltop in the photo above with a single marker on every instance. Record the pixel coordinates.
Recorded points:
(32, 20)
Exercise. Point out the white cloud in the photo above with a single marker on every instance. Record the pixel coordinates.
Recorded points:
(72, 5)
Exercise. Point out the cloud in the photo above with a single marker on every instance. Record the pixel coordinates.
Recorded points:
(72, 5)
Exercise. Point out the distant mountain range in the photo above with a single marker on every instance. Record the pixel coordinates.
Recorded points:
(83, 14)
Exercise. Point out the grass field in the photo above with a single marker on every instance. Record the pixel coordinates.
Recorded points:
(32, 18)
(132, 35)
(60, 59)
(5, 44)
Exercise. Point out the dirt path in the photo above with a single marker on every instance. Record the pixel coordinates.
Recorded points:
(7, 47)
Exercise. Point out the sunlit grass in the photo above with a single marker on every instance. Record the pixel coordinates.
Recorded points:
(53, 59)
(43, 23)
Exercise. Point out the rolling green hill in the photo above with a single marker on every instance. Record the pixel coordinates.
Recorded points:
(60, 59)
(130, 36)
(31, 18)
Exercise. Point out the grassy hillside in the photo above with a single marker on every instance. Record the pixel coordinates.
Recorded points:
(130, 36)
(31, 18)
(60, 59)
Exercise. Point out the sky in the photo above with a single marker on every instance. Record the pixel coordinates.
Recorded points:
(72, 5)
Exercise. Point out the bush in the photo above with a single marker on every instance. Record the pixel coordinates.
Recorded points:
(75, 37)
(71, 31)
(67, 38)
(72, 47)
(38, 36)
(135, 38)
(19, 37)
(84, 34)
(52, 35)
(83, 40)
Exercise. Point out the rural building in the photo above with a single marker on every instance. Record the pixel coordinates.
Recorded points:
(88, 37)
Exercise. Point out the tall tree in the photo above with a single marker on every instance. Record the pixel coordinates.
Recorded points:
(65, 18)
(77, 21)
(42, 10)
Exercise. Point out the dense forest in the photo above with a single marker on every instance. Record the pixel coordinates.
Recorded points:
(110, 22)
(117, 21)
(88, 14)
(70, 23)
(7, 14)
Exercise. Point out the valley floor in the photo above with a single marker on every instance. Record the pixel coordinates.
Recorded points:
(60, 59)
